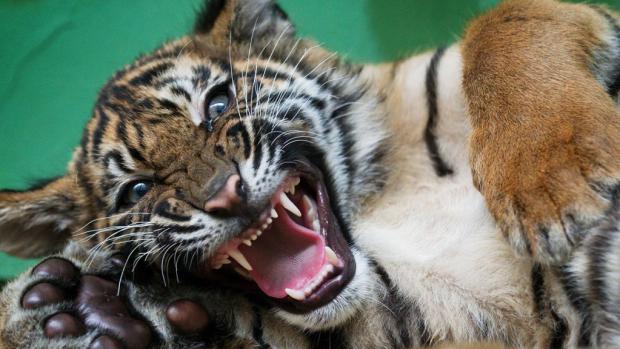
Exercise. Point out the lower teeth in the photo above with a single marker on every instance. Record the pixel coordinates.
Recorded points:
(301, 295)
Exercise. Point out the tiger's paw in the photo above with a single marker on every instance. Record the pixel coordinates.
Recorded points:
(60, 305)
(546, 195)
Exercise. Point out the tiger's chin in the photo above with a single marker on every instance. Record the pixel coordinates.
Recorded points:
(294, 256)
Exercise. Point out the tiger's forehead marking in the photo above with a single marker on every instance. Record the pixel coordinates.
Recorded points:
(187, 82)
(188, 79)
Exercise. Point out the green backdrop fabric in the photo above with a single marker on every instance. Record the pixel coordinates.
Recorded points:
(56, 54)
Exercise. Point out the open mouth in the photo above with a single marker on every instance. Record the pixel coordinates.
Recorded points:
(295, 253)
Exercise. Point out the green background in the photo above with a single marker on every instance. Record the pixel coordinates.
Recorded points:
(54, 55)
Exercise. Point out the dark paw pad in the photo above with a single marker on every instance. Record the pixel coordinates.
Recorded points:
(42, 294)
(187, 317)
(102, 308)
(56, 268)
(105, 342)
(63, 325)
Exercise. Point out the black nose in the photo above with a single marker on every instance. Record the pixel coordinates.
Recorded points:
(230, 199)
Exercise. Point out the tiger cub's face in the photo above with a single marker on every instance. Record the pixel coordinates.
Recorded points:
(226, 156)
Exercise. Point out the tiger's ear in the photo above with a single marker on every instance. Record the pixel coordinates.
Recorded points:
(39, 221)
(242, 19)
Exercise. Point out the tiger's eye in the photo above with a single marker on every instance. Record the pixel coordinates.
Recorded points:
(135, 191)
(217, 105)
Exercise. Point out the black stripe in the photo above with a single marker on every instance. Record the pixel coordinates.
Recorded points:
(274, 132)
(402, 310)
(135, 153)
(268, 73)
(177, 229)
(257, 330)
(99, 131)
(88, 187)
(258, 143)
(169, 105)
(139, 133)
(202, 74)
(147, 77)
(118, 158)
(441, 168)
(328, 339)
(538, 289)
(181, 92)
(239, 128)
(316, 103)
(345, 135)
(614, 87)
(163, 210)
(543, 308)
(560, 331)
(570, 284)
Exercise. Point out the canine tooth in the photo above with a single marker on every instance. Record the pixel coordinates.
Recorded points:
(332, 258)
(295, 294)
(247, 242)
(238, 256)
(274, 214)
(289, 205)
(292, 189)
(296, 181)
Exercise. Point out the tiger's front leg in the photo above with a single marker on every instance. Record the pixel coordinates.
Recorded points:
(72, 301)
(541, 79)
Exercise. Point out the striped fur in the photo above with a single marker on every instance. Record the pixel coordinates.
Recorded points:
(433, 264)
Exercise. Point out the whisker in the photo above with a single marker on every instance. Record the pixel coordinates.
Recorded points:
(120, 280)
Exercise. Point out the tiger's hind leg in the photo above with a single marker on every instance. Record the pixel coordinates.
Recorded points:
(69, 301)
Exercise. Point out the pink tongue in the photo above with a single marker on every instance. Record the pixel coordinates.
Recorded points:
(287, 255)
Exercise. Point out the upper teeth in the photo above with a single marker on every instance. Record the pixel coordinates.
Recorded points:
(294, 182)
(312, 219)
(289, 205)
(240, 258)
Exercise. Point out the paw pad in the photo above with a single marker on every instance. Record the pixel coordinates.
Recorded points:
(187, 316)
(102, 308)
(42, 294)
(56, 268)
(63, 325)
(105, 342)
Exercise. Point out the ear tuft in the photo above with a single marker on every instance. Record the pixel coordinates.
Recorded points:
(243, 19)
(38, 221)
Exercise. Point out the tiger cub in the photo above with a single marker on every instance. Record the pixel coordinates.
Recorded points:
(241, 187)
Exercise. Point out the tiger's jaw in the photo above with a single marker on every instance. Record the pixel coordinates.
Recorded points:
(295, 255)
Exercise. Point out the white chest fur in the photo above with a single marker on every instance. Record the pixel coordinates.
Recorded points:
(434, 235)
